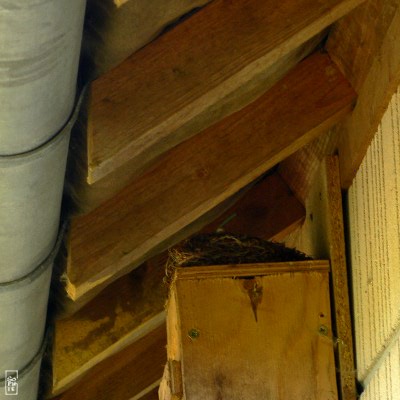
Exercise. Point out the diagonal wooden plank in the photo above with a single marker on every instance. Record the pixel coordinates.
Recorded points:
(188, 78)
(202, 172)
(198, 56)
(355, 39)
(88, 196)
(116, 29)
(268, 210)
(126, 311)
(136, 370)
(366, 46)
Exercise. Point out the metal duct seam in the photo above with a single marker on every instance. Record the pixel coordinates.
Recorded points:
(31, 185)
(27, 368)
(28, 377)
(39, 269)
(23, 327)
(39, 55)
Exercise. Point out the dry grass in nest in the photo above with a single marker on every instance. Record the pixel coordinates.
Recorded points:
(225, 249)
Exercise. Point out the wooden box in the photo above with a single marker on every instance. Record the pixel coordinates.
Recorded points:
(259, 331)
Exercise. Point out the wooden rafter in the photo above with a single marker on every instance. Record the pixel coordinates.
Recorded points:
(189, 78)
(191, 68)
(366, 46)
(202, 172)
(116, 29)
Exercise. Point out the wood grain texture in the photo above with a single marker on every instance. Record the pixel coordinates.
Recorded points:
(256, 358)
(301, 168)
(268, 210)
(127, 310)
(322, 236)
(86, 196)
(337, 248)
(354, 40)
(153, 395)
(365, 46)
(202, 172)
(245, 270)
(116, 29)
(130, 374)
(187, 79)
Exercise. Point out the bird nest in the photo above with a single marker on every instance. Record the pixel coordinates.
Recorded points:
(226, 249)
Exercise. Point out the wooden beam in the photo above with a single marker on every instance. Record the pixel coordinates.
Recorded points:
(200, 61)
(300, 169)
(322, 236)
(366, 46)
(191, 77)
(150, 396)
(202, 172)
(269, 210)
(341, 302)
(134, 304)
(127, 310)
(86, 197)
(130, 374)
(116, 29)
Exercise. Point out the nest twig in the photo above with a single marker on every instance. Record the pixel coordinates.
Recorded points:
(224, 249)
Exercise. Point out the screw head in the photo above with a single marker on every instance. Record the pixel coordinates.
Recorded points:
(323, 330)
(193, 334)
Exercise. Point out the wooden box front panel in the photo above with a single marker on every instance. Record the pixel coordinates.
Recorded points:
(266, 336)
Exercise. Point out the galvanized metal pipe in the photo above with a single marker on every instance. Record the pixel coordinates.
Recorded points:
(22, 319)
(39, 51)
(31, 187)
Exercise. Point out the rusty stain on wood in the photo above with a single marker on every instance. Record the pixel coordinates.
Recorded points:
(255, 293)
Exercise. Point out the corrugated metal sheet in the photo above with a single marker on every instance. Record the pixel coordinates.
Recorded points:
(374, 224)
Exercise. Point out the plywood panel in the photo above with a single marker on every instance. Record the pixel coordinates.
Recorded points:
(374, 215)
(196, 176)
(239, 352)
